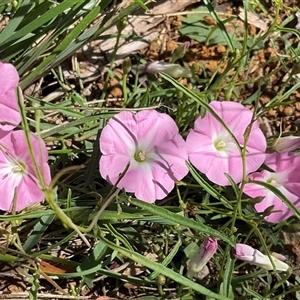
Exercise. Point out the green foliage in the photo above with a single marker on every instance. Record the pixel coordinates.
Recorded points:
(131, 242)
(195, 27)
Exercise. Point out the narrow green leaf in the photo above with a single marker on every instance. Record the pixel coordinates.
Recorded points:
(208, 187)
(81, 211)
(3, 2)
(226, 288)
(100, 270)
(93, 260)
(7, 258)
(141, 4)
(49, 36)
(167, 259)
(54, 58)
(35, 24)
(141, 259)
(15, 20)
(37, 232)
(178, 219)
(76, 123)
(42, 255)
(220, 25)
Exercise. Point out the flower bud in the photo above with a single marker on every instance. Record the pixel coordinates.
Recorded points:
(121, 25)
(156, 248)
(173, 70)
(206, 251)
(286, 144)
(160, 279)
(126, 66)
(180, 51)
(255, 257)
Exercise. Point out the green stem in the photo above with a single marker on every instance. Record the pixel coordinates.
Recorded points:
(124, 86)
(97, 216)
(50, 198)
(113, 58)
(160, 290)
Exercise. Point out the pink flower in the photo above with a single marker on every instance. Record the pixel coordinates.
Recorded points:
(9, 112)
(286, 179)
(255, 257)
(206, 251)
(212, 150)
(150, 142)
(286, 144)
(17, 176)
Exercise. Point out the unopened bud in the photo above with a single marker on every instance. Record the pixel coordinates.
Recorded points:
(126, 66)
(255, 257)
(173, 70)
(268, 211)
(121, 25)
(206, 251)
(160, 279)
(156, 248)
(180, 51)
(15, 5)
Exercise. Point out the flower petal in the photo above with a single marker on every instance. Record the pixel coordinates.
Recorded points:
(150, 125)
(8, 183)
(255, 257)
(28, 193)
(16, 140)
(122, 128)
(9, 112)
(112, 166)
(13, 153)
(286, 144)
(286, 167)
(214, 162)
(156, 136)
(139, 180)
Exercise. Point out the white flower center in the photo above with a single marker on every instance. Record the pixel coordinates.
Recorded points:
(12, 168)
(17, 169)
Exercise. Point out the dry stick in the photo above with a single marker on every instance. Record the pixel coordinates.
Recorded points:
(51, 281)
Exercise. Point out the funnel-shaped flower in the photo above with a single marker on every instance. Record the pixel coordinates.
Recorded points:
(286, 178)
(212, 150)
(150, 143)
(206, 251)
(18, 179)
(255, 257)
(9, 112)
(286, 144)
